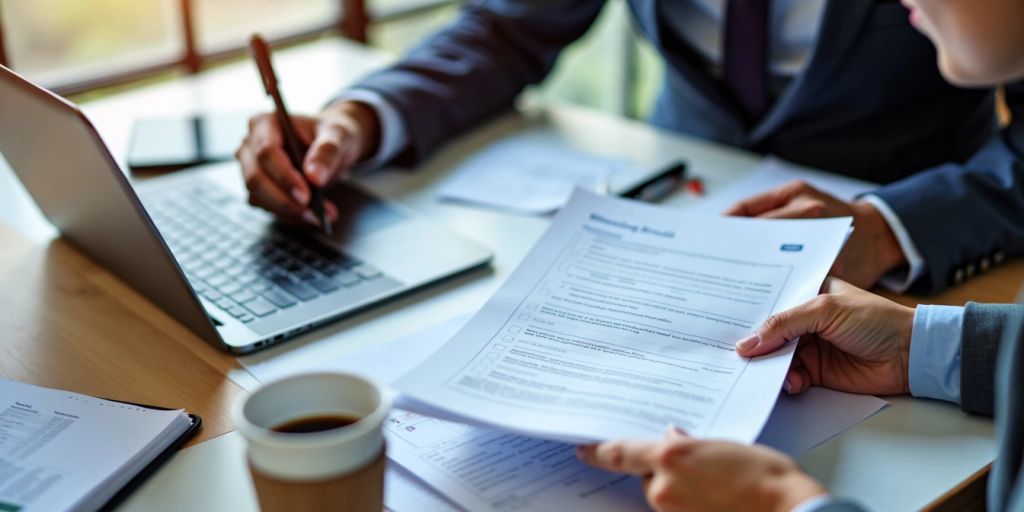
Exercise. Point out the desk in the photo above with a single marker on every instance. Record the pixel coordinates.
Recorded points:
(70, 324)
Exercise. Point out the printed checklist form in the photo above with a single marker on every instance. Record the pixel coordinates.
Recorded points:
(622, 321)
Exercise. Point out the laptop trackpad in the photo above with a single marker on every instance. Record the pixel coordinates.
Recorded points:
(360, 213)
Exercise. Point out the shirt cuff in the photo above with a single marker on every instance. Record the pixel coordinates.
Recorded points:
(898, 281)
(827, 503)
(934, 368)
(393, 136)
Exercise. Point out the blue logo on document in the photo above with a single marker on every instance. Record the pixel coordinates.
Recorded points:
(792, 247)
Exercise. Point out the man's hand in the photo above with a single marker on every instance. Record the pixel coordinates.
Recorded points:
(682, 473)
(872, 250)
(850, 340)
(342, 135)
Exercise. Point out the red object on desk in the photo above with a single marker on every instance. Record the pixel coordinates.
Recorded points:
(695, 186)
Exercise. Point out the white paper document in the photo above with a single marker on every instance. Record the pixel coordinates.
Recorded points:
(796, 425)
(622, 320)
(771, 174)
(801, 422)
(65, 451)
(486, 470)
(528, 174)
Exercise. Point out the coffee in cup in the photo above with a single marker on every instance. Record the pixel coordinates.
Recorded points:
(315, 442)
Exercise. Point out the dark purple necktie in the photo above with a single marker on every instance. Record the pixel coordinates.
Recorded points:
(745, 59)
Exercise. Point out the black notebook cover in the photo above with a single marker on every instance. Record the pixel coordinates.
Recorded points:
(158, 461)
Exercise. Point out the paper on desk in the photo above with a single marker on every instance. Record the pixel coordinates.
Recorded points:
(799, 423)
(487, 470)
(772, 173)
(622, 320)
(796, 425)
(528, 174)
(404, 492)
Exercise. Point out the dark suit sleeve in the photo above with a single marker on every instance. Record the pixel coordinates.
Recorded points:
(965, 218)
(983, 329)
(475, 67)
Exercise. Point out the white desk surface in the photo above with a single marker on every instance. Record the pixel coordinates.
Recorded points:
(900, 459)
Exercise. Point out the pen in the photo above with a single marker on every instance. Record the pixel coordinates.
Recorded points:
(261, 54)
(660, 185)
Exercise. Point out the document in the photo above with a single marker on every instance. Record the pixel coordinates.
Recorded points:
(65, 451)
(528, 173)
(772, 173)
(486, 470)
(801, 422)
(417, 482)
(622, 321)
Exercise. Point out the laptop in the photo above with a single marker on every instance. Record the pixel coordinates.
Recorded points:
(226, 270)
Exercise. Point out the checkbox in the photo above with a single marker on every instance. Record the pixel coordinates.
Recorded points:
(531, 306)
(499, 346)
(509, 338)
(524, 316)
(514, 329)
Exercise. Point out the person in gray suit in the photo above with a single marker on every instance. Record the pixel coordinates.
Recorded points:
(844, 85)
(855, 341)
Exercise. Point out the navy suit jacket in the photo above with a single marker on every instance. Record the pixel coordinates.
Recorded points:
(870, 103)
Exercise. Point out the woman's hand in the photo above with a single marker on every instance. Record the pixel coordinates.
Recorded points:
(850, 340)
(682, 473)
(342, 135)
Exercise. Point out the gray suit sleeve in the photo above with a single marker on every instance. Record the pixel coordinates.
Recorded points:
(966, 217)
(476, 67)
(983, 329)
(1006, 482)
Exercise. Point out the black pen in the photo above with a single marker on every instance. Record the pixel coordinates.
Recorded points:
(261, 54)
(660, 185)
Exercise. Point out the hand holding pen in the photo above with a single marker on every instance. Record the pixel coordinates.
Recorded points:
(342, 135)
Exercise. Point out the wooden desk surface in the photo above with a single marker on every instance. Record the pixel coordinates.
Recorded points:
(68, 323)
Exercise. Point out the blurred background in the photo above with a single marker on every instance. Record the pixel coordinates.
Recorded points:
(89, 48)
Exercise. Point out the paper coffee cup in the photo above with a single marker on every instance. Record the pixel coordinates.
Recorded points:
(338, 469)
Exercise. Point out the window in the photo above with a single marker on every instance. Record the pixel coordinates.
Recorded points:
(224, 24)
(57, 41)
(73, 46)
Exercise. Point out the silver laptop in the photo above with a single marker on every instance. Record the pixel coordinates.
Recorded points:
(224, 269)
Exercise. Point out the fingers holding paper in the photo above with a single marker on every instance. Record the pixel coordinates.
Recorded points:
(872, 250)
(684, 473)
(850, 340)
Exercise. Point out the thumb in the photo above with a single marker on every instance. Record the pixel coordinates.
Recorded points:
(787, 325)
(329, 154)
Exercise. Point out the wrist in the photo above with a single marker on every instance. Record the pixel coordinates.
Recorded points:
(365, 119)
(883, 239)
(906, 334)
(792, 489)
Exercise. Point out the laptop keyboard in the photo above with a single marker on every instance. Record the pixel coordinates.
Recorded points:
(248, 271)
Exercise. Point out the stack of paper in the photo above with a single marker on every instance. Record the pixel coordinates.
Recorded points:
(528, 174)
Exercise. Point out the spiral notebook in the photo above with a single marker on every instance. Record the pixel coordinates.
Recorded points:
(66, 451)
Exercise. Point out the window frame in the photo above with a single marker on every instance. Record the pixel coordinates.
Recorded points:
(352, 23)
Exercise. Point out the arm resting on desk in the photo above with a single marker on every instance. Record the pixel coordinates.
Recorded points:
(967, 217)
(983, 328)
